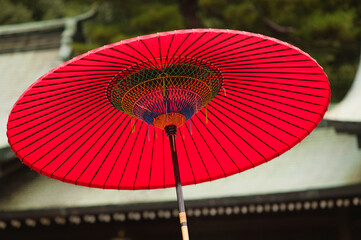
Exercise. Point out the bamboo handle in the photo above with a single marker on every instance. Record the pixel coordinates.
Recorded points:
(185, 233)
(184, 227)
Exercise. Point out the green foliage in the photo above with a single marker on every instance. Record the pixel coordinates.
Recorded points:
(213, 7)
(120, 37)
(14, 12)
(241, 16)
(101, 34)
(48, 9)
(80, 48)
(328, 25)
(157, 17)
(211, 13)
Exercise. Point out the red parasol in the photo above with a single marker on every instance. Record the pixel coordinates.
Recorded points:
(233, 99)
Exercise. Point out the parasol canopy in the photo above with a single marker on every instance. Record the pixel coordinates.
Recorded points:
(238, 100)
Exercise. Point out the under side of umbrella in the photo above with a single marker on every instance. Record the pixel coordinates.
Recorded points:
(227, 100)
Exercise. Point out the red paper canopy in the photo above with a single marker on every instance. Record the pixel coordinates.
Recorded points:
(272, 95)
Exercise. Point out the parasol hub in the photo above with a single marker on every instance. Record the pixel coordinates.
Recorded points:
(165, 94)
(170, 130)
(167, 119)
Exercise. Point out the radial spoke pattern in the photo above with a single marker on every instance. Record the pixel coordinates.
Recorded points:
(273, 96)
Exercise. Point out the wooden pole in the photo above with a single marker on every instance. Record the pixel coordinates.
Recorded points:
(171, 132)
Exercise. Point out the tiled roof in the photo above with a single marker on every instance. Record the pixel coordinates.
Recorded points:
(41, 40)
(41, 34)
(325, 159)
(31, 36)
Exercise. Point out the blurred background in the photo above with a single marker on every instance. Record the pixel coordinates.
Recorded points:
(311, 192)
